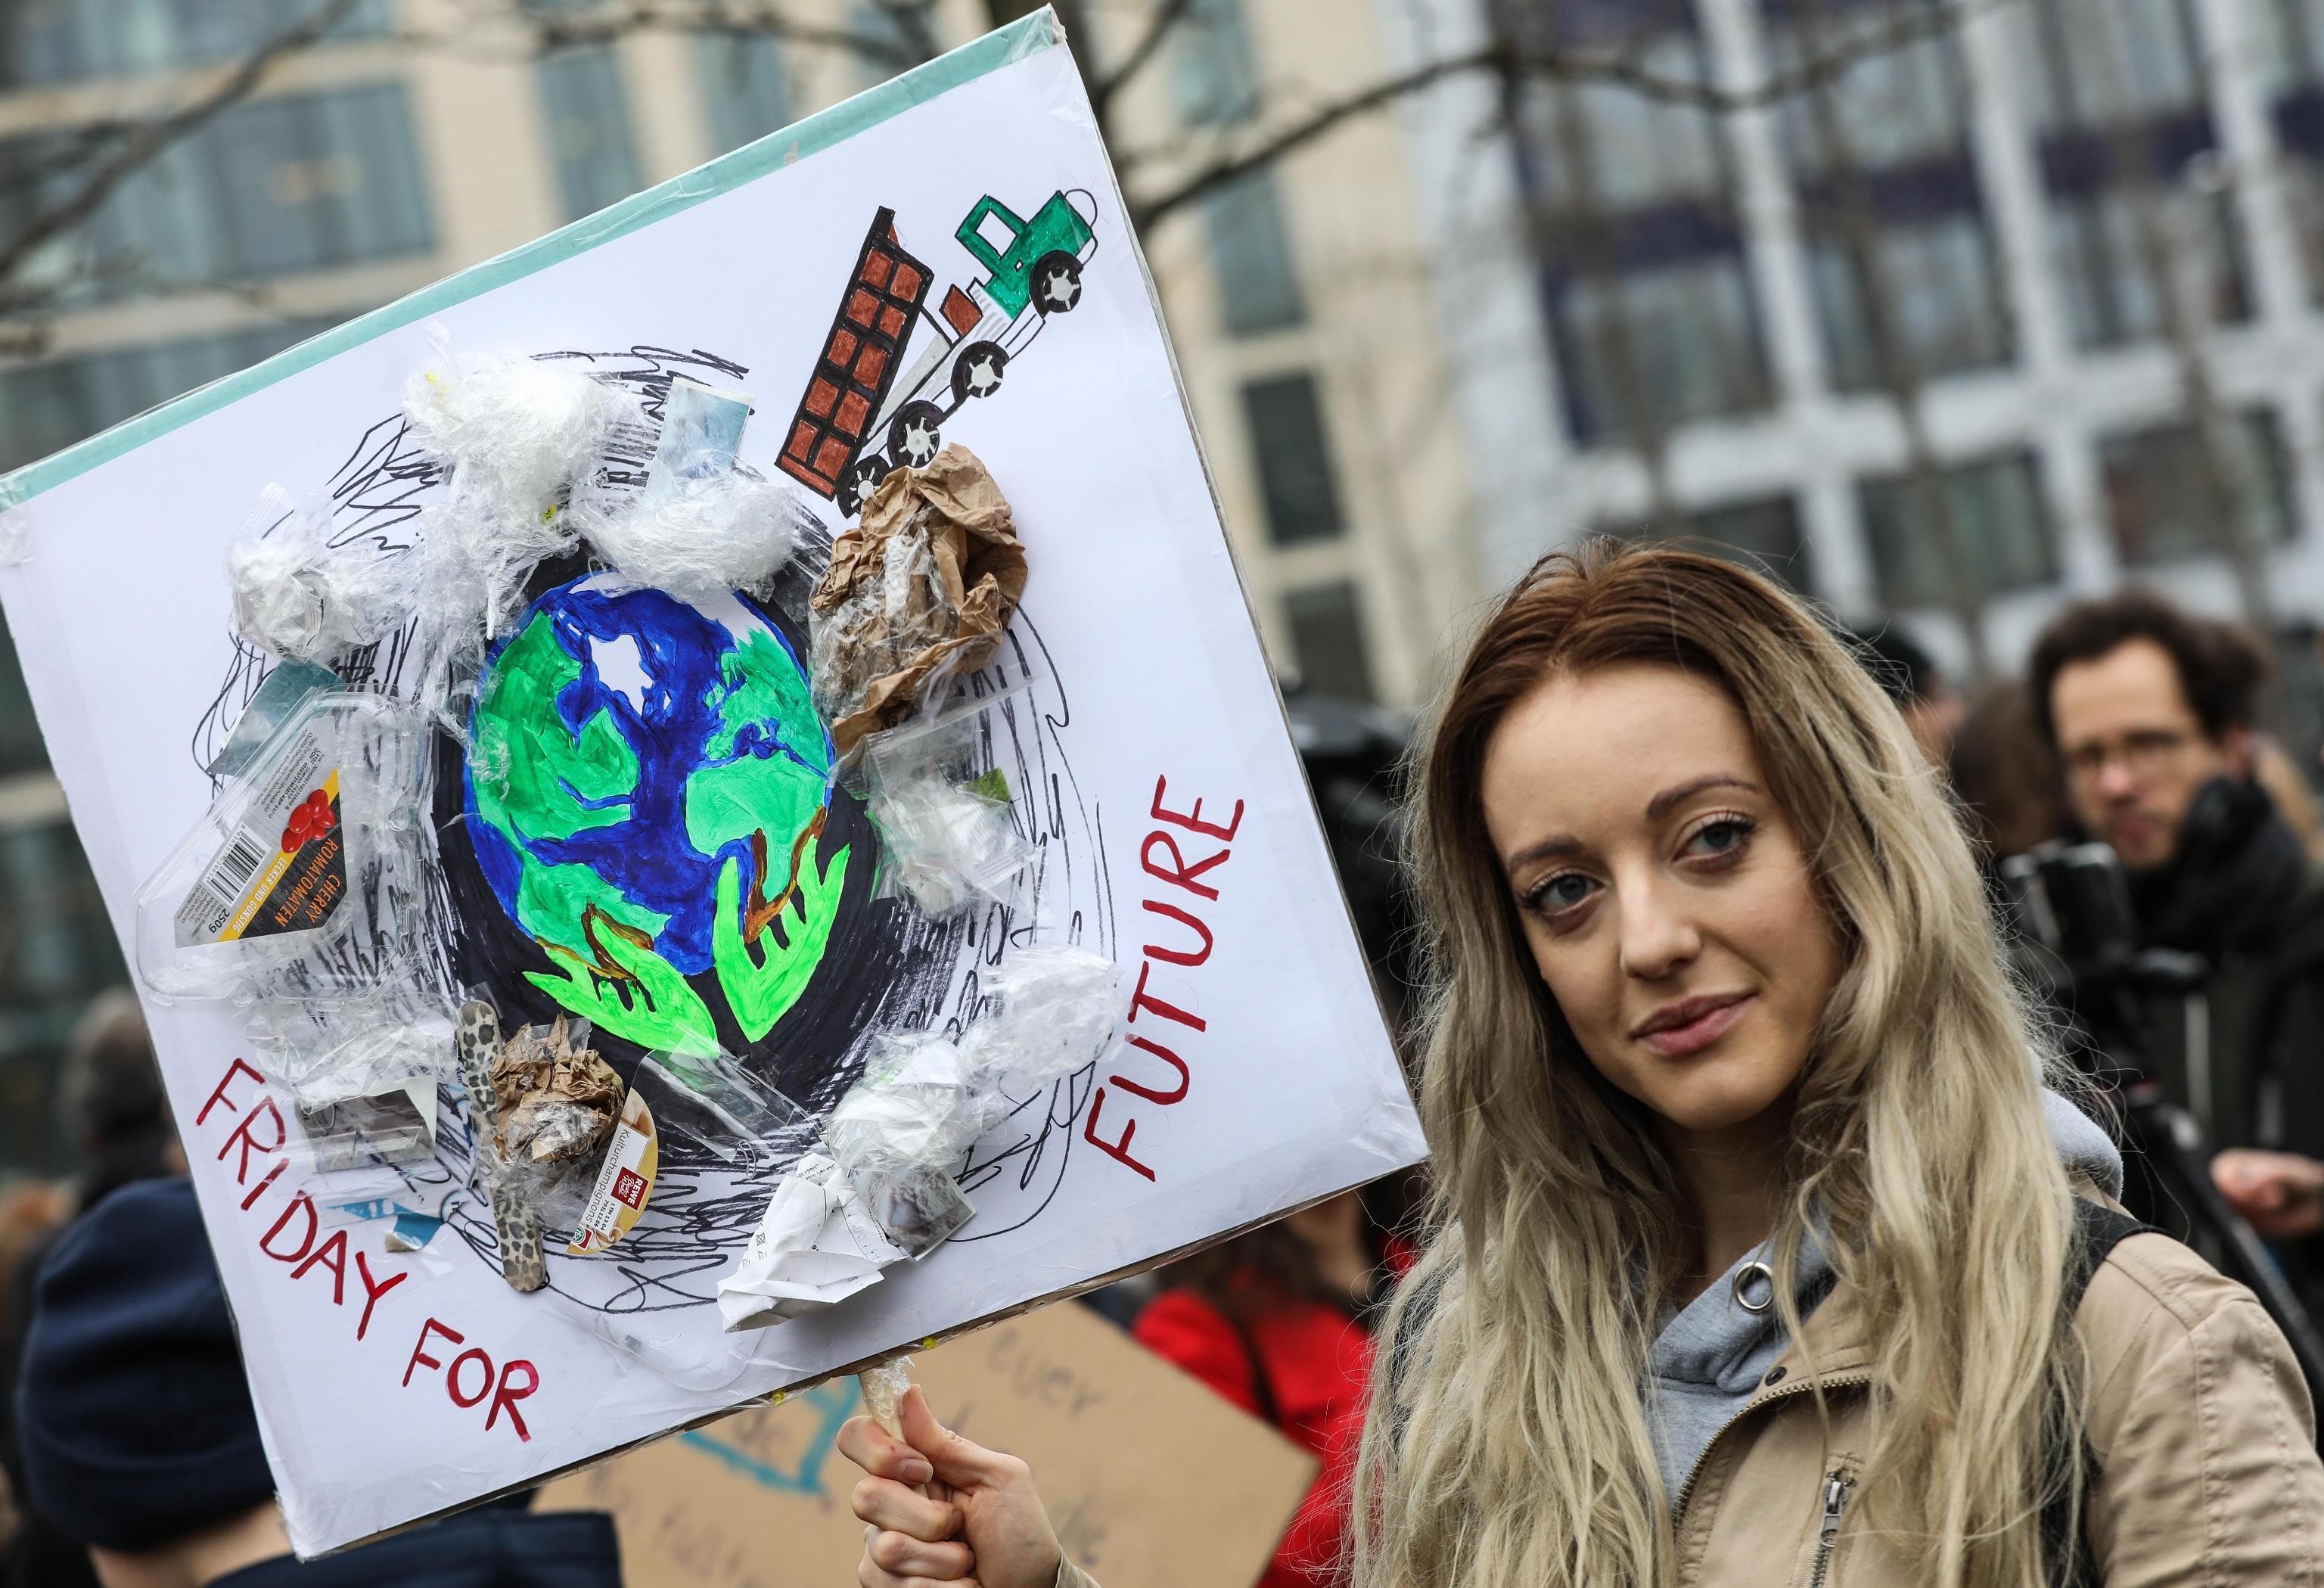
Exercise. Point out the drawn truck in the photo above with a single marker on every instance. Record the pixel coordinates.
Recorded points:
(1036, 272)
(859, 362)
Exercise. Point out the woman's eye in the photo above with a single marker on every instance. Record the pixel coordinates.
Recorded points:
(1723, 836)
(1562, 892)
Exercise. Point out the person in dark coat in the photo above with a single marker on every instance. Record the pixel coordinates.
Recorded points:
(140, 1442)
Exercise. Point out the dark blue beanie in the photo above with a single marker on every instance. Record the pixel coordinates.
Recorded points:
(134, 1415)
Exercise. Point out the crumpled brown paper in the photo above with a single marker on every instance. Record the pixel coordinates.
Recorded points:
(920, 590)
(558, 1100)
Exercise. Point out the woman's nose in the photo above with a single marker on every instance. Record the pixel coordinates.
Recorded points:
(1657, 935)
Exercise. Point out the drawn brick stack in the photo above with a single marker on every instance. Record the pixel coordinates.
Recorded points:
(851, 380)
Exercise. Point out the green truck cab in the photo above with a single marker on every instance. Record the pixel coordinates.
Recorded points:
(1041, 262)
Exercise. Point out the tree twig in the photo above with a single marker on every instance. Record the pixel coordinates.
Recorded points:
(1158, 27)
(143, 142)
(561, 31)
(1511, 58)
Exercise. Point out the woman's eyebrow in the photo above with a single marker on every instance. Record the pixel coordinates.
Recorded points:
(1547, 849)
(1670, 799)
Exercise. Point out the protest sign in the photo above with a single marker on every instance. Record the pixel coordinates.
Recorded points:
(704, 878)
(1127, 1448)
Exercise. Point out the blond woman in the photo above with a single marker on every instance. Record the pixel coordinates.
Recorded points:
(1759, 1253)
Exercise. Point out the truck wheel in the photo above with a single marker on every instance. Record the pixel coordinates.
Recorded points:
(979, 371)
(1056, 283)
(915, 434)
(862, 477)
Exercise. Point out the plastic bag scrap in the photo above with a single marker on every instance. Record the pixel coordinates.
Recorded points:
(919, 591)
(948, 830)
(816, 1244)
(704, 1109)
(1057, 1009)
(303, 598)
(886, 1190)
(883, 1394)
(726, 532)
(362, 1072)
(555, 1103)
(519, 432)
(522, 437)
(309, 874)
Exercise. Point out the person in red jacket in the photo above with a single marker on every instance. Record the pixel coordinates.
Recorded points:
(1278, 1321)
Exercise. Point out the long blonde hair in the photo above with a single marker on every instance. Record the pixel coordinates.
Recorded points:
(1507, 1444)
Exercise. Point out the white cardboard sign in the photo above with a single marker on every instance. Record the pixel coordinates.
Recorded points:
(1146, 743)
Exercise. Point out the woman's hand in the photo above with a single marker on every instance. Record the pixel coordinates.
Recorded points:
(2281, 1193)
(979, 1521)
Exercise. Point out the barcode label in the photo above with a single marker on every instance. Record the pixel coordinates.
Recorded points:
(240, 863)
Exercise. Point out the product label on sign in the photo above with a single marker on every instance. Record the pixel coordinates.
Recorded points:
(624, 1181)
(285, 868)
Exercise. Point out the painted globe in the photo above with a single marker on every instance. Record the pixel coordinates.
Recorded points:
(644, 786)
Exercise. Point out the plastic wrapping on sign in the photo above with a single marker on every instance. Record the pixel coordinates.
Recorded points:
(917, 593)
(901, 1129)
(702, 539)
(1056, 1012)
(522, 437)
(519, 432)
(362, 1071)
(715, 1107)
(948, 820)
(915, 1104)
(310, 876)
(286, 689)
(303, 598)
(701, 433)
(697, 1132)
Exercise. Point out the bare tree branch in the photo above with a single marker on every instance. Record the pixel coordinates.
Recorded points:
(147, 140)
(1158, 28)
(1512, 60)
(569, 30)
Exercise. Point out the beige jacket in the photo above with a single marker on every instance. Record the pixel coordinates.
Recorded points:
(2203, 1435)
(2208, 1475)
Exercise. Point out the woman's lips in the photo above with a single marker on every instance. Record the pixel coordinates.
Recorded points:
(1697, 1034)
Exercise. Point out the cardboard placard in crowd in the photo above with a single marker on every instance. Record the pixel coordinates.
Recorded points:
(1127, 1448)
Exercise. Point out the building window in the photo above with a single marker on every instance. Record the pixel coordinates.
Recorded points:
(44, 407)
(2290, 50)
(1880, 155)
(2167, 496)
(2114, 89)
(1217, 77)
(1295, 459)
(65, 41)
(1653, 348)
(1994, 510)
(745, 94)
(1327, 636)
(1630, 211)
(1944, 302)
(2115, 254)
(1251, 257)
(300, 182)
(589, 129)
(1760, 533)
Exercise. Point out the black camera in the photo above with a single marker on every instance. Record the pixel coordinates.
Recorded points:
(2073, 899)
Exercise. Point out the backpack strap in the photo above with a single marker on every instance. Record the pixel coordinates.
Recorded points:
(2065, 1546)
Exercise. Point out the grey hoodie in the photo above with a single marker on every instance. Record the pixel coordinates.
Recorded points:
(1713, 1352)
